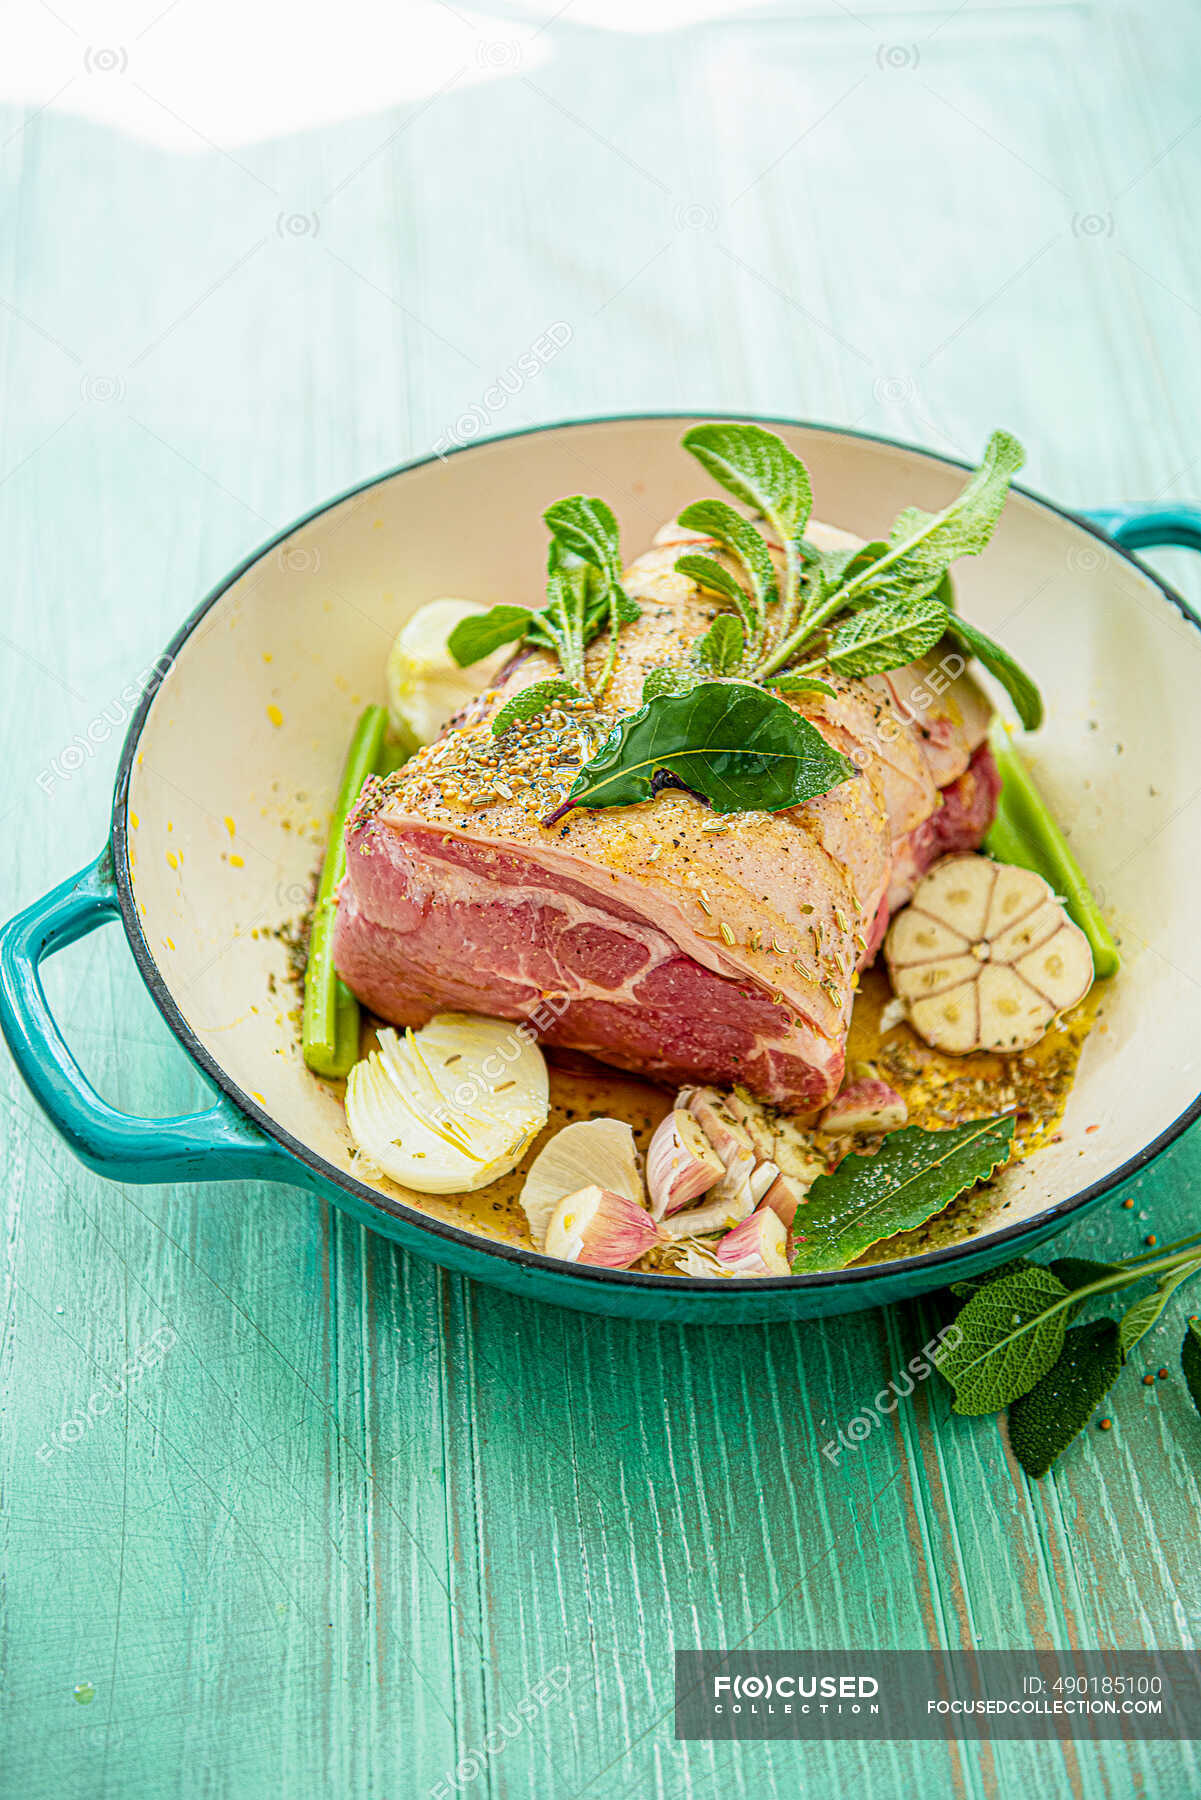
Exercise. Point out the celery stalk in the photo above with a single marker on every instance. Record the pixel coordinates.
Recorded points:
(330, 1027)
(1024, 833)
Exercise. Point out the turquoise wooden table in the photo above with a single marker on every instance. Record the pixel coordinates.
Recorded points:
(343, 1515)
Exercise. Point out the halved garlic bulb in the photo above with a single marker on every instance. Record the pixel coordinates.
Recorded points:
(600, 1227)
(451, 1107)
(590, 1152)
(759, 1246)
(985, 956)
(681, 1164)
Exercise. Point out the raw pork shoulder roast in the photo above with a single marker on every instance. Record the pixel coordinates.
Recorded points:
(660, 937)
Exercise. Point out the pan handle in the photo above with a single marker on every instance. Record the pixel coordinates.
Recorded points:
(205, 1146)
(1150, 526)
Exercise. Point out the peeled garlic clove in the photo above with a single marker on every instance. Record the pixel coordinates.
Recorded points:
(451, 1107)
(681, 1164)
(600, 1227)
(591, 1152)
(985, 956)
(759, 1246)
(867, 1106)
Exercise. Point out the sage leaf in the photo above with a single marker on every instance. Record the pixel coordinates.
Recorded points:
(1144, 1312)
(538, 697)
(1044, 1420)
(921, 545)
(828, 569)
(886, 636)
(759, 469)
(589, 528)
(912, 1176)
(1073, 1271)
(1027, 701)
(739, 747)
(800, 684)
(720, 650)
(473, 639)
(1190, 1361)
(1009, 1335)
(709, 574)
(739, 537)
(669, 680)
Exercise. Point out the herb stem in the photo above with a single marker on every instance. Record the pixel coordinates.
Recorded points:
(808, 628)
(1125, 1275)
(1164, 1250)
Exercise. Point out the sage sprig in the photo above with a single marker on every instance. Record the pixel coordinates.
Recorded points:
(584, 595)
(1013, 1348)
(858, 612)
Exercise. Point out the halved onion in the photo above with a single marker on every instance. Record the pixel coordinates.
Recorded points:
(451, 1107)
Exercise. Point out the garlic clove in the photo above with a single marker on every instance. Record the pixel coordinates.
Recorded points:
(1026, 934)
(761, 1180)
(922, 981)
(796, 1153)
(918, 938)
(1060, 968)
(1025, 961)
(751, 1115)
(588, 1153)
(759, 1246)
(958, 892)
(712, 1113)
(1016, 1009)
(732, 1142)
(450, 1108)
(717, 1214)
(784, 1197)
(951, 1022)
(1017, 893)
(894, 1013)
(597, 1226)
(681, 1164)
(864, 1106)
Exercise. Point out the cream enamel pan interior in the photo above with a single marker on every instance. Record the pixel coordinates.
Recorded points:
(232, 764)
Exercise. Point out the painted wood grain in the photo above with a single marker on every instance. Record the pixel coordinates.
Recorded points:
(358, 1511)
